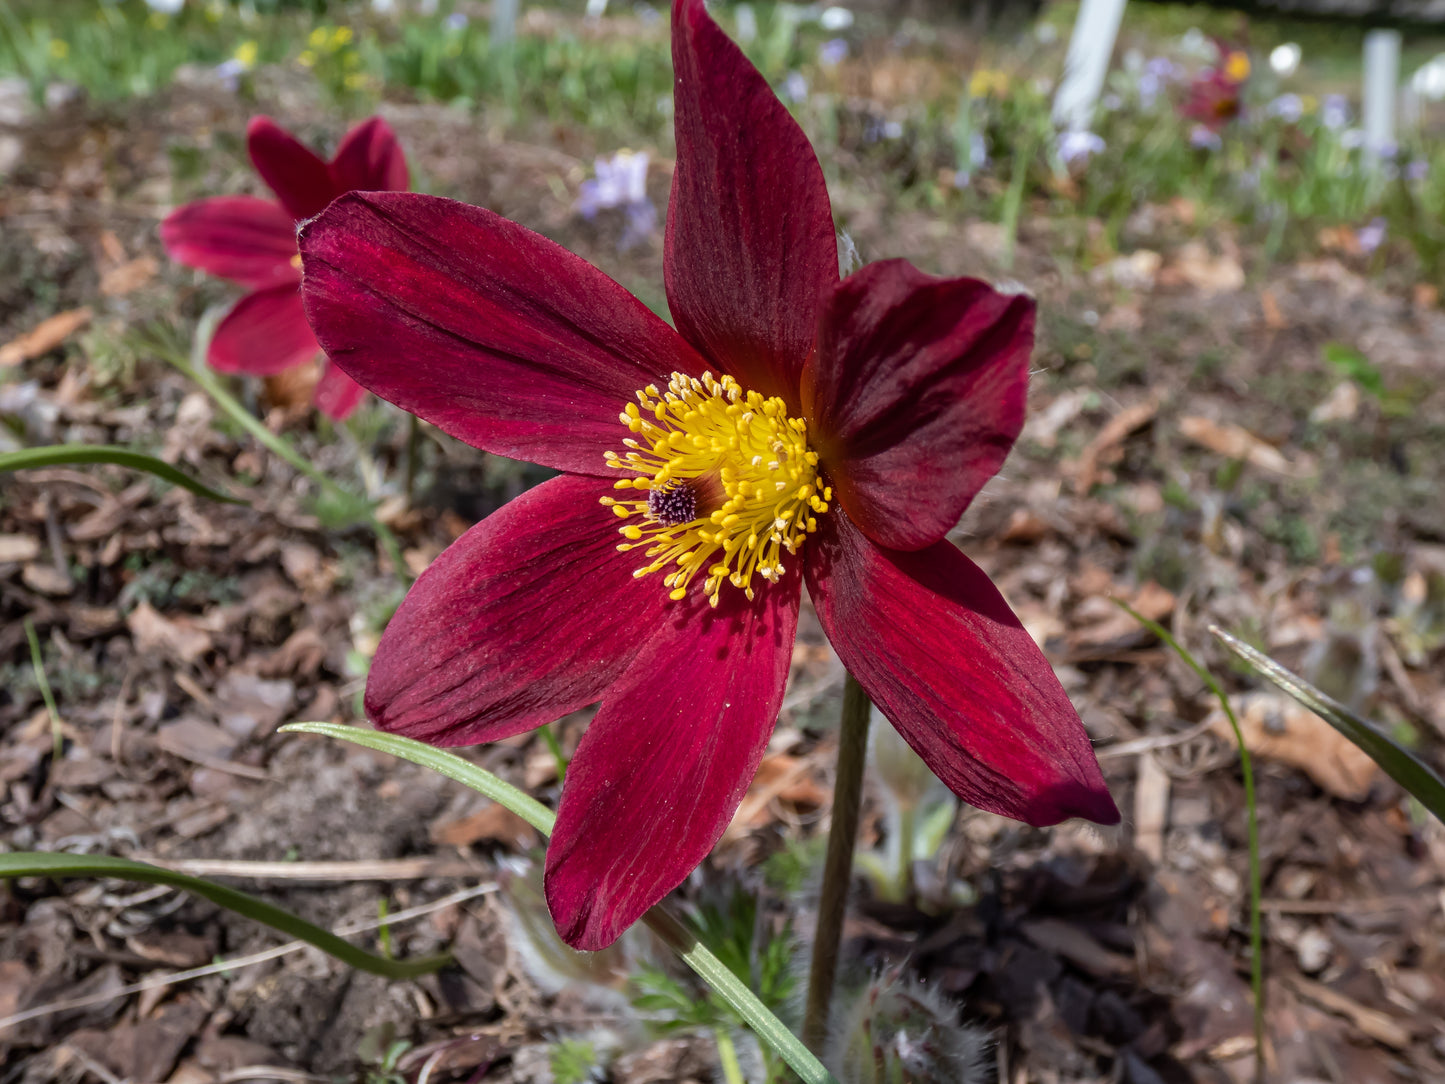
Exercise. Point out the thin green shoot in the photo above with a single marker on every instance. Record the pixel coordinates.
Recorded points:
(1251, 807)
(57, 733)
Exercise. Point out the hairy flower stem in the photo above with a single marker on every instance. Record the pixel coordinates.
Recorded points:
(838, 868)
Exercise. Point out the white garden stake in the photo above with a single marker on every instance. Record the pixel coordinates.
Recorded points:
(1090, 48)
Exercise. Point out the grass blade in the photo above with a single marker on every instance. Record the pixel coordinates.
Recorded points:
(32, 864)
(768, 1028)
(1251, 809)
(56, 455)
(1399, 763)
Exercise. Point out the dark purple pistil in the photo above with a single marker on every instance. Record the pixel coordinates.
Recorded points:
(673, 505)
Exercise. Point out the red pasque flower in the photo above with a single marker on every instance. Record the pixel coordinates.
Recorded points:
(794, 428)
(1216, 95)
(253, 241)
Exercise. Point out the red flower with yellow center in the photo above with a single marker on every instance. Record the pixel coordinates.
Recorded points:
(793, 428)
(253, 241)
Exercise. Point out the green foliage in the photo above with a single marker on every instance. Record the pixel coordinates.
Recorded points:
(575, 1061)
(1353, 365)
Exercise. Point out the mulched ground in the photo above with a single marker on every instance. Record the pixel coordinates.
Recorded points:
(1189, 450)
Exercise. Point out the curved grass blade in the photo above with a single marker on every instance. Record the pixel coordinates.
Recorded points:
(1400, 764)
(33, 864)
(56, 455)
(1251, 812)
(768, 1028)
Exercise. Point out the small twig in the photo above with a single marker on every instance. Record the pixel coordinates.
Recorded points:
(396, 869)
(1135, 746)
(237, 962)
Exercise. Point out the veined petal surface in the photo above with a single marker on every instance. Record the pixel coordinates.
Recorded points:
(264, 333)
(492, 333)
(369, 159)
(750, 248)
(248, 240)
(668, 758)
(915, 396)
(301, 180)
(337, 395)
(937, 648)
(529, 615)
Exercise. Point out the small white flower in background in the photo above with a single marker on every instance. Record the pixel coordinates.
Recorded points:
(832, 53)
(1352, 139)
(166, 7)
(621, 183)
(1205, 140)
(794, 88)
(892, 129)
(1284, 59)
(835, 19)
(1429, 79)
(1287, 107)
(1046, 33)
(1195, 44)
(1079, 146)
(383, 7)
(456, 21)
(1335, 112)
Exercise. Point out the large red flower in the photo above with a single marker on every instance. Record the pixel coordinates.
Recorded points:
(253, 241)
(793, 428)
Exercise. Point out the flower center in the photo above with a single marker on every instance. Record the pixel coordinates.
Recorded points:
(726, 483)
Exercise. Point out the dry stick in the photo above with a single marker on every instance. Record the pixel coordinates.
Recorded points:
(838, 868)
(238, 962)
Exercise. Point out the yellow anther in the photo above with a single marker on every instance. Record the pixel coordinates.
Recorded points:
(732, 460)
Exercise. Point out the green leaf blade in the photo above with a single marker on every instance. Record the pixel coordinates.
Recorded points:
(1398, 762)
(57, 455)
(48, 864)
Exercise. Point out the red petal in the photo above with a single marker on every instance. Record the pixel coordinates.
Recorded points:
(264, 333)
(370, 159)
(337, 395)
(301, 181)
(666, 763)
(915, 396)
(487, 330)
(251, 241)
(750, 247)
(937, 648)
(529, 615)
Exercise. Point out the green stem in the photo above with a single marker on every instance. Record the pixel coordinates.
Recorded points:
(281, 447)
(1251, 809)
(838, 867)
(727, 1057)
(37, 663)
(905, 852)
(555, 747)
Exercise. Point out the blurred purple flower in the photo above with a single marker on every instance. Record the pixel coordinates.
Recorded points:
(832, 53)
(1371, 236)
(794, 89)
(456, 21)
(1078, 146)
(1204, 138)
(1335, 111)
(1287, 107)
(1417, 170)
(621, 183)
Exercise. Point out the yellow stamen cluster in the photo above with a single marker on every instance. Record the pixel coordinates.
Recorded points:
(727, 483)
